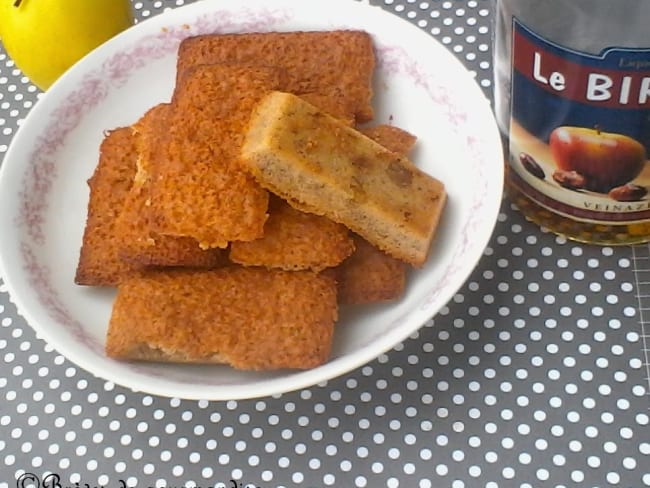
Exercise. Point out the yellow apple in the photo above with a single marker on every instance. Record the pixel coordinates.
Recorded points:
(46, 37)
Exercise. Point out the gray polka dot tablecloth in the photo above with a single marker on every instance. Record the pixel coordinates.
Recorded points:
(534, 374)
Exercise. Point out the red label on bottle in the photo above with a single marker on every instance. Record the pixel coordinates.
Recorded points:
(626, 87)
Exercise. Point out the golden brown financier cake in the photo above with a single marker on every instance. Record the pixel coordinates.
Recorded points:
(299, 240)
(99, 263)
(138, 242)
(200, 188)
(334, 68)
(250, 318)
(295, 240)
(320, 165)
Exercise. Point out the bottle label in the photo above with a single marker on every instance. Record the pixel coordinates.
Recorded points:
(580, 129)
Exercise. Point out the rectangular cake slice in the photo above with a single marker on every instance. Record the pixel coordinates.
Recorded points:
(321, 165)
(200, 189)
(138, 243)
(334, 67)
(250, 318)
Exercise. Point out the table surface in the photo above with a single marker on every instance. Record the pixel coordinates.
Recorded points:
(535, 374)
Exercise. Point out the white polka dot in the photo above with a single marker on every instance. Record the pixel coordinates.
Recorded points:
(610, 447)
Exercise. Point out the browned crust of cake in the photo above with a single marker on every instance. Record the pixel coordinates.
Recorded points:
(200, 189)
(369, 275)
(322, 166)
(99, 262)
(335, 65)
(295, 240)
(250, 318)
(139, 244)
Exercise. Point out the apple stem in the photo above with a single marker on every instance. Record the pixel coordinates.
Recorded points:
(17, 3)
(597, 127)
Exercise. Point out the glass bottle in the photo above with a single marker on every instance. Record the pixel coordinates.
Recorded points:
(572, 100)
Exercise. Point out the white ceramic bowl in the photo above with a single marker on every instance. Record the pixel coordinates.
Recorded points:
(420, 87)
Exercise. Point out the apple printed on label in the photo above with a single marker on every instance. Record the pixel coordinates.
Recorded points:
(606, 160)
